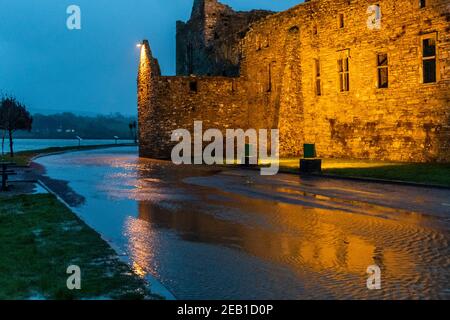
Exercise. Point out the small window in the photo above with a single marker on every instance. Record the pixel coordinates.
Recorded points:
(422, 4)
(294, 29)
(269, 78)
(314, 30)
(317, 78)
(382, 70)
(344, 74)
(193, 86)
(429, 60)
(233, 86)
(341, 21)
(258, 43)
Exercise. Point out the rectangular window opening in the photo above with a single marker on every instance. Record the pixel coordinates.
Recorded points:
(193, 86)
(344, 74)
(317, 78)
(382, 70)
(269, 77)
(429, 60)
(422, 4)
(341, 21)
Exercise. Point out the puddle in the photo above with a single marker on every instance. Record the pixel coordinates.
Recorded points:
(207, 235)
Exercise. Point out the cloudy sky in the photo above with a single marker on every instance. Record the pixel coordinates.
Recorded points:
(92, 70)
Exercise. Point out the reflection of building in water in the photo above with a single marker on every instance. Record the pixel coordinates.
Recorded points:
(141, 246)
(317, 239)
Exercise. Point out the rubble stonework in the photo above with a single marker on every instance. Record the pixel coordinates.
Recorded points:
(209, 43)
(276, 82)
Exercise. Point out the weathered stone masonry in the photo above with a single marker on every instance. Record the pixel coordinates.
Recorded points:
(209, 43)
(275, 59)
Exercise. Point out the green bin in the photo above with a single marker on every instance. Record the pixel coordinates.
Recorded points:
(250, 158)
(247, 149)
(309, 150)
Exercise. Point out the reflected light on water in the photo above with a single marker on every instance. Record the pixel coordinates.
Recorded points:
(141, 244)
(334, 248)
(206, 234)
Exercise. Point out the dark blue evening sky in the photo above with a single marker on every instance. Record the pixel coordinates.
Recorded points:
(92, 70)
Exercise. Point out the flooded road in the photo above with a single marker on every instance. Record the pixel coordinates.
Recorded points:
(233, 234)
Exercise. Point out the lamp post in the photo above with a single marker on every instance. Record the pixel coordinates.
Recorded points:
(79, 141)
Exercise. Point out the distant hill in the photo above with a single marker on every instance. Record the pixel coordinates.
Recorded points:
(68, 125)
(48, 112)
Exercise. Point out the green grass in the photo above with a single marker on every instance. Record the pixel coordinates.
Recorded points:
(23, 158)
(427, 173)
(436, 174)
(40, 238)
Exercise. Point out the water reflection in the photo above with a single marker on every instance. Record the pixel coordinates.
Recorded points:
(208, 234)
(331, 247)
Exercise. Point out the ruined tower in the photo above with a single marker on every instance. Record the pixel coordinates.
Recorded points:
(209, 43)
(149, 70)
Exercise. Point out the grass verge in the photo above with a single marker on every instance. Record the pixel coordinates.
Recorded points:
(40, 238)
(426, 173)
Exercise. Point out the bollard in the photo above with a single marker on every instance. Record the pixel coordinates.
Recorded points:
(247, 156)
(310, 163)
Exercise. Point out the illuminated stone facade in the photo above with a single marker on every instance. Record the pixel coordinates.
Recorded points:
(359, 78)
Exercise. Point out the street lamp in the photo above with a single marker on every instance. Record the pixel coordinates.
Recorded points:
(79, 141)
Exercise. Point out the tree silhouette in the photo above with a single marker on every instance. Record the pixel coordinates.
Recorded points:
(13, 116)
(133, 127)
(130, 125)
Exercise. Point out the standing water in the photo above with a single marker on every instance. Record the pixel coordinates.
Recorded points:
(36, 144)
(233, 234)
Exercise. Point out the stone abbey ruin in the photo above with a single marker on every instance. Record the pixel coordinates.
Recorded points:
(361, 79)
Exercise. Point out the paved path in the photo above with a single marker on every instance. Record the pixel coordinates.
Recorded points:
(211, 234)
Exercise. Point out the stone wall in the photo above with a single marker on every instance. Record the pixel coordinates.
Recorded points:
(167, 103)
(208, 44)
(407, 121)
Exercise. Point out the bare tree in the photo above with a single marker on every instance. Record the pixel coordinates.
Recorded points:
(133, 130)
(130, 126)
(13, 116)
(3, 141)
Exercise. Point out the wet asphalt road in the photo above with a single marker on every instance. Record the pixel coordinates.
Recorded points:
(233, 234)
